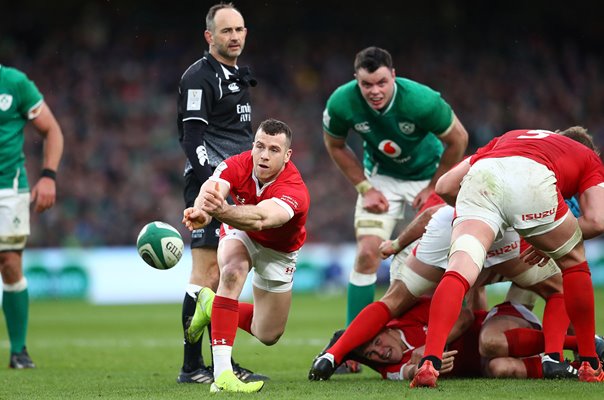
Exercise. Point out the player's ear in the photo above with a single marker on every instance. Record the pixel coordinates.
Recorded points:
(288, 154)
(208, 36)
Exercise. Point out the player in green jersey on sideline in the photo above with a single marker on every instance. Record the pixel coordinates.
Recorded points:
(404, 125)
(20, 102)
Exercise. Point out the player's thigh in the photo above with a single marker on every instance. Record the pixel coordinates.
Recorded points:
(413, 276)
(398, 298)
(562, 235)
(492, 341)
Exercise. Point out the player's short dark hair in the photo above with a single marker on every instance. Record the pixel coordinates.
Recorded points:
(210, 26)
(580, 134)
(275, 127)
(372, 58)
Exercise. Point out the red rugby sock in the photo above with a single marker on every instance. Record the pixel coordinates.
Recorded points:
(368, 323)
(225, 317)
(444, 311)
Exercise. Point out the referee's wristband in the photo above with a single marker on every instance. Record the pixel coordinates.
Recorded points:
(49, 173)
(363, 187)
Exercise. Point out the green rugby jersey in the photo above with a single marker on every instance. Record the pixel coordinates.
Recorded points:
(399, 141)
(18, 97)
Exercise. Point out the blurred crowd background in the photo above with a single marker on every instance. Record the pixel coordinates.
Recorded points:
(109, 70)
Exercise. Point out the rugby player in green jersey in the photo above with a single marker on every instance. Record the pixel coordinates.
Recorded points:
(410, 138)
(20, 102)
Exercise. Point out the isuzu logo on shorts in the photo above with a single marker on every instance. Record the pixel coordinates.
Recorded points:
(503, 250)
(542, 214)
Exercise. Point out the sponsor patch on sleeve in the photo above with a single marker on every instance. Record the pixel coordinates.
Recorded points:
(194, 99)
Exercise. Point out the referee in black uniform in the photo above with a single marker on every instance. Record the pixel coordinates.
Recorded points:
(214, 122)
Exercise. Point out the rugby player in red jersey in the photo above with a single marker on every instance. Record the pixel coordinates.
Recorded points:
(520, 180)
(264, 230)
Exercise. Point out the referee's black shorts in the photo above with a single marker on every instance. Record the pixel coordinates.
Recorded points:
(208, 235)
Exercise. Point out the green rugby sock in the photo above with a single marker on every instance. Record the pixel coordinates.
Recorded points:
(359, 297)
(16, 313)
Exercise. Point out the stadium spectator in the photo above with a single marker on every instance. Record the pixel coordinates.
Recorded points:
(533, 170)
(123, 119)
(264, 231)
(214, 122)
(20, 103)
(404, 125)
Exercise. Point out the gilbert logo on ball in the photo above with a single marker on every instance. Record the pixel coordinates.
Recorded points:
(160, 245)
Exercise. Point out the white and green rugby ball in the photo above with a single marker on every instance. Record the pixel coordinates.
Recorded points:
(160, 245)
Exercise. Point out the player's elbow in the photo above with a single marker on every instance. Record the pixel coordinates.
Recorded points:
(595, 222)
(446, 190)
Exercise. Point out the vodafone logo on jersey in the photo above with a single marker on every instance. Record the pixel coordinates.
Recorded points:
(390, 148)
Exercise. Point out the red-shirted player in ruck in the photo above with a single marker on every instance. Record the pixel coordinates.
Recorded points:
(264, 230)
(515, 181)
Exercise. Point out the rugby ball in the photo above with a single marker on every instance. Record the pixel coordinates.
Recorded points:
(160, 245)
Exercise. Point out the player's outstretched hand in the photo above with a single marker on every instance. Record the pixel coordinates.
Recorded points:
(194, 218)
(214, 202)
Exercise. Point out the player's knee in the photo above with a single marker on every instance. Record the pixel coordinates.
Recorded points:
(368, 259)
(270, 338)
(498, 368)
(233, 273)
(492, 345)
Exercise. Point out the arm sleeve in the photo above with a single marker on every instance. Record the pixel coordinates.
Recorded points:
(194, 147)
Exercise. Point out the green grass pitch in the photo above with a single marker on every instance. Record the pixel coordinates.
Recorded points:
(134, 352)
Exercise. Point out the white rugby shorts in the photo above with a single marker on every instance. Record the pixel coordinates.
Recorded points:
(14, 219)
(399, 194)
(433, 247)
(510, 192)
(273, 270)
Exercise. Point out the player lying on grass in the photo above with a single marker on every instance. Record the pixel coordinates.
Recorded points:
(419, 274)
(503, 343)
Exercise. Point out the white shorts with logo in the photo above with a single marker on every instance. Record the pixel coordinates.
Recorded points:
(273, 270)
(14, 219)
(399, 194)
(433, 247)
(509, 192)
